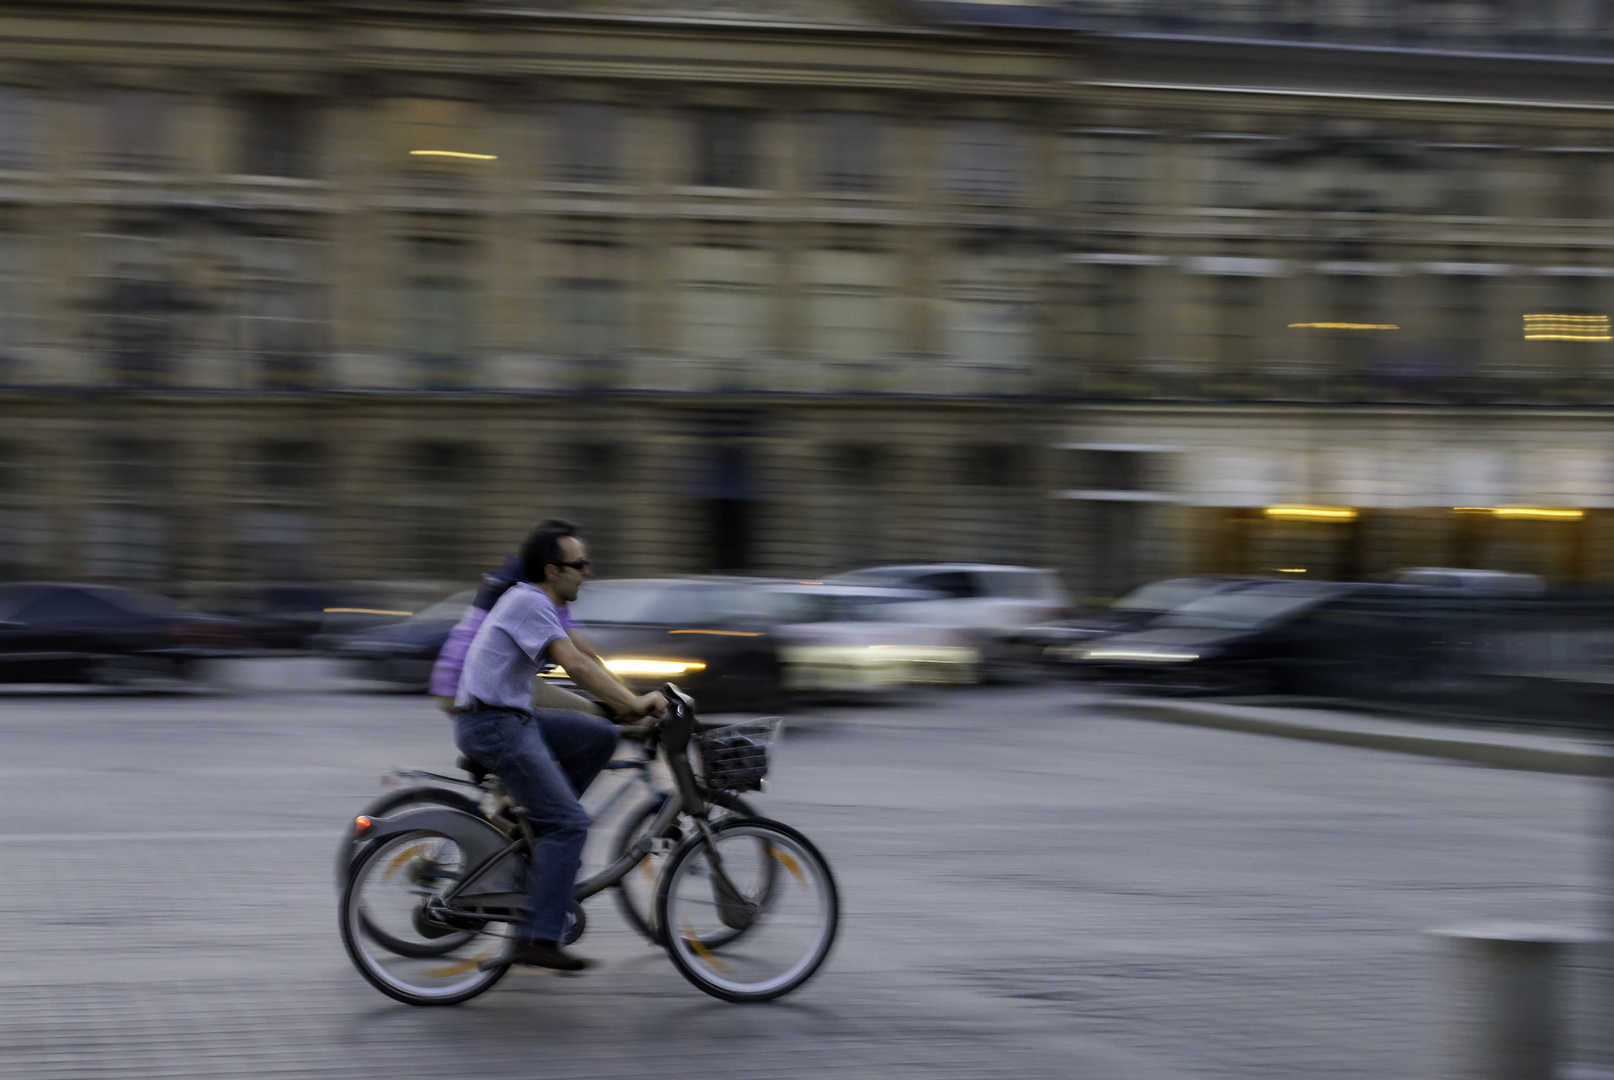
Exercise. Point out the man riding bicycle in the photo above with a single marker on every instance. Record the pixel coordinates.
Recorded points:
(545, 758)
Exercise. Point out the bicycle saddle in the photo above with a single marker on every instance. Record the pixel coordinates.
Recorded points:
(477, 770)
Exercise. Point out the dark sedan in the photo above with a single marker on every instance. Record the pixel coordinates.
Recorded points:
(60, 633)
(1293, 636)
(714, 637)
(1065, 641)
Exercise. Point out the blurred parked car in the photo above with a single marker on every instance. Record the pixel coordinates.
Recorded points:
(1293, 636)
(715, 637)
(1062, 642)
(402, 652)
(58, 633)
(851, 640)
(991, 603)
(291, 616)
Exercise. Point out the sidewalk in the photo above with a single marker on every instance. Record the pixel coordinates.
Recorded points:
(1482, 746)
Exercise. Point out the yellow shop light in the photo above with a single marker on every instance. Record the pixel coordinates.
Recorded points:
(1548, 327)
(1536, 513)
(1310, 513)
(1342, 326)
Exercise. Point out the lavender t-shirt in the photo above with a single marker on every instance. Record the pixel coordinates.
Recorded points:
(445, 681)
(508, 648)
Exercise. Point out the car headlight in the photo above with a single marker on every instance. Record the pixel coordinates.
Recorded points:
(1146, 656)
(633, 667)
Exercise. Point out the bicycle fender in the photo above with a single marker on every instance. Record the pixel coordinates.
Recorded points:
(476, 838)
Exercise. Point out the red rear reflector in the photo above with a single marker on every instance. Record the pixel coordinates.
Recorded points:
(361, 825)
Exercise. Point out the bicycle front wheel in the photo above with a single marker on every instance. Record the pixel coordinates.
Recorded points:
(636, 892)
(766, 881)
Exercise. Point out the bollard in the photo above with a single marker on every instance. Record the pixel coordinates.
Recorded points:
(1505, 1020)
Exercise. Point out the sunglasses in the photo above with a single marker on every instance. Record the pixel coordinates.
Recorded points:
(577, 564)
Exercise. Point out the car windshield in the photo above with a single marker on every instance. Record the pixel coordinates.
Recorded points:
(850, 607)
(145, 603)
(671, 603)
(13, 598)
(447, 610)
(878, 576)
(1164, 595)
(1243, 610)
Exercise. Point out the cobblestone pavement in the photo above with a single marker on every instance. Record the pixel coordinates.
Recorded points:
(1030, 889)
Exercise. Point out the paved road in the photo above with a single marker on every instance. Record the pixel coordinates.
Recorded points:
(1031, 889)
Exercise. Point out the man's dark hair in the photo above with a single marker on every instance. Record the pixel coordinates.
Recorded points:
(542, 547)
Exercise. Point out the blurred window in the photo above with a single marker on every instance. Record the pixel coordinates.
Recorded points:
(23, 540)
(16, 128)
(135, 129)
(281, 310)
(1236, 177)
(1116, 313)
(68, 607)
(985, 161)
(126, 542)
(1235, 318)
(436, 315)
(277, 523)
(724, 148)
(1113, 170)
(1576, 184)
(1113, 470)
(851, 313)
(15, 313)
(724, 302)
(127, 531)
(1465, 180)
(437, 493)
(990, 331)
(1462, 312)
(850, 147)
(856, 480)
(142, 306)
(589, 297)
(587, 142)
(991, 466)
(1353, 299)
(990, 309)
(277, 135)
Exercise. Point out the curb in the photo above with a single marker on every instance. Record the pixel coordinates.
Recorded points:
(1590, 761)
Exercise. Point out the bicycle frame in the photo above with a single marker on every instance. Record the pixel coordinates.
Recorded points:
(675, 736)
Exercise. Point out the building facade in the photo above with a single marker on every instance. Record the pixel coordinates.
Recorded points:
(359, 290)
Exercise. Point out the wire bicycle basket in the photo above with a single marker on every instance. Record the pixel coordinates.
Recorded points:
(736, 758)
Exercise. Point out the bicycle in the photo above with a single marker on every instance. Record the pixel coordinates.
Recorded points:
(635, 893)
(746, 907)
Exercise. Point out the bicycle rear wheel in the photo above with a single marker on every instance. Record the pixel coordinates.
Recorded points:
(391, 887)
(415, 944)
(775, 889)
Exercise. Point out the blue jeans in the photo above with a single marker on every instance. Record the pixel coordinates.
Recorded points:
(545, 758)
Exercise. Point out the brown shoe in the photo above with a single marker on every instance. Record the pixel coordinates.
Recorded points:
(547, 954)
